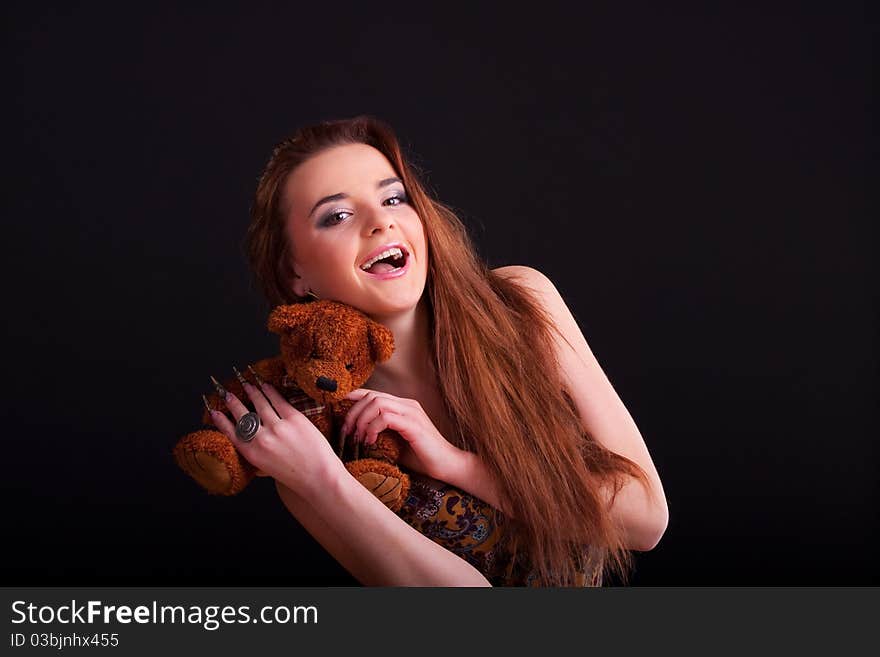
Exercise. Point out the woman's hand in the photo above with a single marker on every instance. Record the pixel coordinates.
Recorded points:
(287, 446)
(425, 451)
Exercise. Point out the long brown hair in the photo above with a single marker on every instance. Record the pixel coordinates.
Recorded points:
(494, 354)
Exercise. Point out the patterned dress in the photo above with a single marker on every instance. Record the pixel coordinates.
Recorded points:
(472, 529)
(459, 521)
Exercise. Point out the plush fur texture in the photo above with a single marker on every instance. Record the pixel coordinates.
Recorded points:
(327, 350)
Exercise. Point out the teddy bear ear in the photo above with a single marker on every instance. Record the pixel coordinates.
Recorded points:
(285, 318)
(381, 342)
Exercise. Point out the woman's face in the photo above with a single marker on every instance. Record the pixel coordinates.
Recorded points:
(341, 207)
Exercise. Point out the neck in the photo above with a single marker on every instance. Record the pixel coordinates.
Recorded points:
(411, 363)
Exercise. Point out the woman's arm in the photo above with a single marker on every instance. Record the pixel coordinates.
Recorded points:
(371, 542)
(642, 513)
(368, 539)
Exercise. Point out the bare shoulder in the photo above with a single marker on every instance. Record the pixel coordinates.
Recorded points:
(537, 282)
(577, 362)
(599, 406)
(529, 276)
(602, 412)
(517, 271)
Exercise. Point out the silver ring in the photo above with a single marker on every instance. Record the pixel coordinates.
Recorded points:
(247, 426)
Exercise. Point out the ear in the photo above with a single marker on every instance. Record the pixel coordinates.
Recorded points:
(296, 282)
(381, 341)
(299, 286)
(286, 318)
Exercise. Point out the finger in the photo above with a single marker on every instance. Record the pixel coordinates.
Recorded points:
(364, 396)
(264, 409)
(374, 427)
(360, 393)
(235, 406)
(372, 409)
(230, 400)
(349, 425)
(227, 428)
(284, 408)
(402, 424)
(224, 425)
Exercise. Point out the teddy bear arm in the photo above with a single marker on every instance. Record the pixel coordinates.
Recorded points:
(339, 411)
(213, 462)
(324, 424)
(388, 442)
(387, 445)
(384, 480)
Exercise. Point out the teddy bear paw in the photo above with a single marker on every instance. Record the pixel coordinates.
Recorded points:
(385, 480)
(212, 461)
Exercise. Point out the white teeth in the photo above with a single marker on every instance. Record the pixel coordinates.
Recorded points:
(392, 251)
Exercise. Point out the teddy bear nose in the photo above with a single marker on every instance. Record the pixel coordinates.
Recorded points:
(326, 384)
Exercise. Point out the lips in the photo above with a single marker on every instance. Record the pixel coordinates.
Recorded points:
(374, 253)
(394, 273)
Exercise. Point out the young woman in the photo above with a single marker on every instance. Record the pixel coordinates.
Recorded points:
(515, 437)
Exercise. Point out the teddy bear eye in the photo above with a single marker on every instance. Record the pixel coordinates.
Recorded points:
(314, 354)
(349, 366)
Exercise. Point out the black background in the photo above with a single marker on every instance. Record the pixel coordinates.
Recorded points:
(695, 182)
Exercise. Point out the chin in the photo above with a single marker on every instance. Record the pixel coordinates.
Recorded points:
(387, 298)
(393, 307)
(393, 304)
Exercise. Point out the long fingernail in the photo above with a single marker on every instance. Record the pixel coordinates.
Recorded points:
(220, 389)
(238, 375)
(256, 376)
(207, 405)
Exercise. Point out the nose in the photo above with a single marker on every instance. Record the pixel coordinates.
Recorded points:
(377, 220)
(328, 385)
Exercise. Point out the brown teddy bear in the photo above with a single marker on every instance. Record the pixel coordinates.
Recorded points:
(327, 350)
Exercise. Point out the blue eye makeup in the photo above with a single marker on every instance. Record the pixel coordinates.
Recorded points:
(336, 217)
(330, 219)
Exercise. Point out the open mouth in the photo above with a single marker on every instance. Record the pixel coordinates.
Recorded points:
(391, 260)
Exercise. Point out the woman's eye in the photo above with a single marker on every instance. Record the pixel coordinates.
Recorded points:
(332, 218)
(339, 216)
(396, 200)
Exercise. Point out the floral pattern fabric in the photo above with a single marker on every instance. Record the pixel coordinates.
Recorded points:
(459, 521)
(469, 527)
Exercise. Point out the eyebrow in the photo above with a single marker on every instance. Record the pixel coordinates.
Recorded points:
(340, 196)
